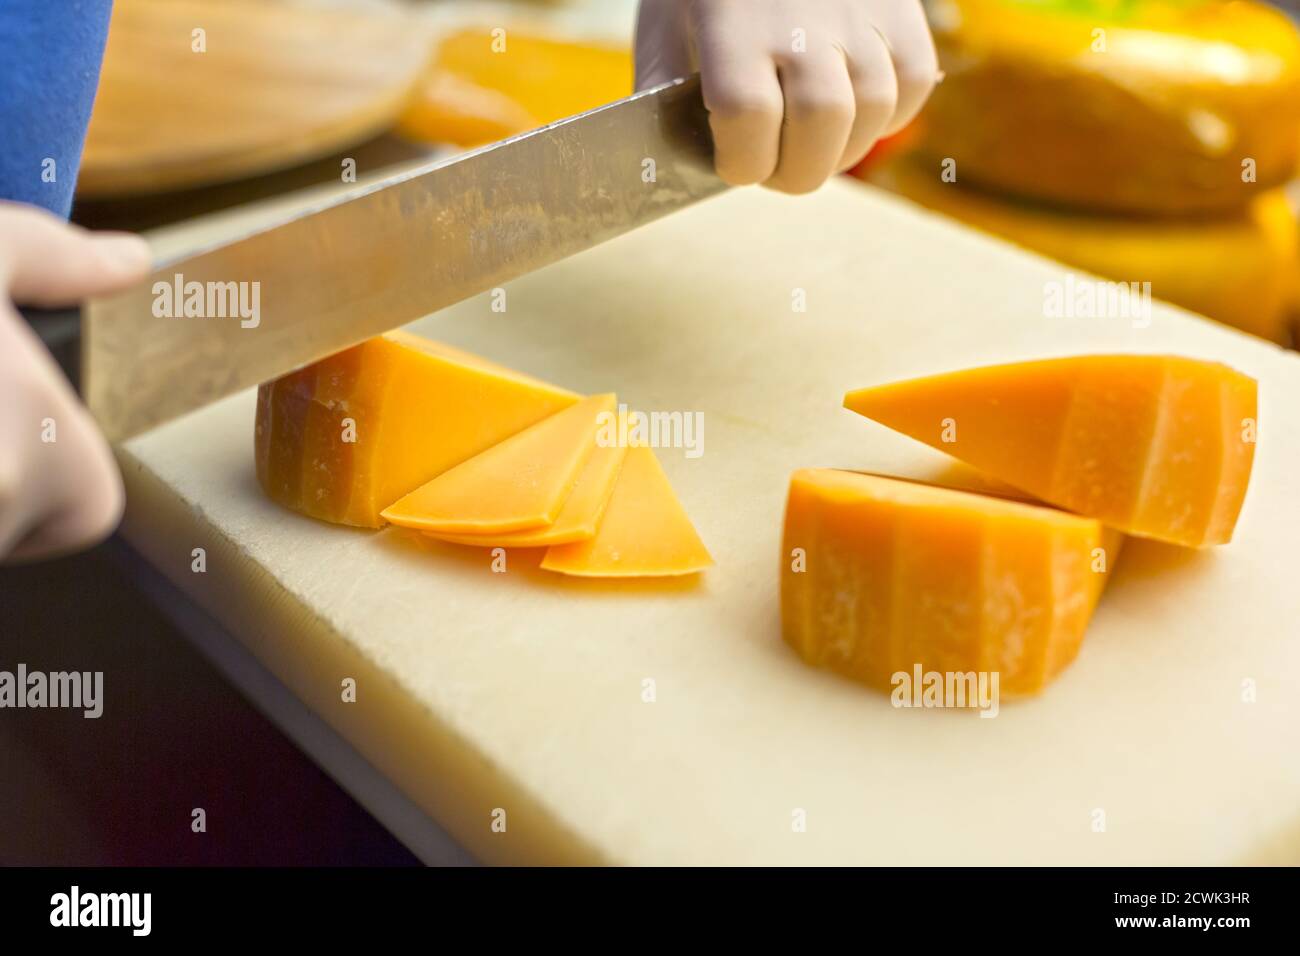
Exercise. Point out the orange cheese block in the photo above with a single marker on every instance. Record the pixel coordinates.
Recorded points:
(880, 575)
(344, 438)
(1158, 446)
(578, 520)
(645, 531)
(519, 484)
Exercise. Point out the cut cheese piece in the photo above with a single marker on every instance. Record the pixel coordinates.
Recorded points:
(578, 520)
(1147, 106)
(344, 438)
(881, 576)
(517, 485)
(1238, 269)
(1158, 446)
(645, 531)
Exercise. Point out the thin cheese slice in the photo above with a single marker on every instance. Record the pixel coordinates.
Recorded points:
(342, 439)
(645, 531)
(578, 519)
(517, 485)
(882, 576)
(1158, 446)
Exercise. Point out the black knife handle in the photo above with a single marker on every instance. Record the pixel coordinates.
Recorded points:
(60, 330)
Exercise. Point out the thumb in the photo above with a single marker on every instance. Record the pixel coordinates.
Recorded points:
(663, 49)
(51, 263)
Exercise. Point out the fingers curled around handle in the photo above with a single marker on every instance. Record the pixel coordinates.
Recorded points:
(822, 117)
(911, 50)
(742, 94)
(875, 96)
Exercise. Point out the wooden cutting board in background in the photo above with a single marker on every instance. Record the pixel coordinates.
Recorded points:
(524, 691)
(279, 84)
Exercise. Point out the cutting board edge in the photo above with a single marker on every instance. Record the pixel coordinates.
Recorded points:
(255, 609)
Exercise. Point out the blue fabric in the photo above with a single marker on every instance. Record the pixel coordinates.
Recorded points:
(50, 51)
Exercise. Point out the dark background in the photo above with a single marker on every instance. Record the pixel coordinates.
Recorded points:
(173, 736)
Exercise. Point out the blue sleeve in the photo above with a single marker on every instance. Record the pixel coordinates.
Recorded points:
(50, 51)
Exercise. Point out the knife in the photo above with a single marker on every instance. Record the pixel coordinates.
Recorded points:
(382, 256)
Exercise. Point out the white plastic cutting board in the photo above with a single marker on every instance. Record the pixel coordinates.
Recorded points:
(523, 692)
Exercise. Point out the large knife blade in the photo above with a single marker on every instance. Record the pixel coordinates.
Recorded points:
(389, 254)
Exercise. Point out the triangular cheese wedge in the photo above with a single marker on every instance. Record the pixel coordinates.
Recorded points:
(881, 577)
(519, 484)
(578, 519)
(1158, 446)
(342, 439)
(645, 531)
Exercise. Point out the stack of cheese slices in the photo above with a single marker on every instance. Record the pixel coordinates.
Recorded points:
(408, 431)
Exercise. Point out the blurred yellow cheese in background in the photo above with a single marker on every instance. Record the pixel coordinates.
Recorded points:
(452, 109)
(485, 87)
(1144, 106)
(1240, 269)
